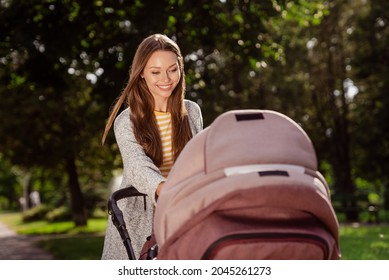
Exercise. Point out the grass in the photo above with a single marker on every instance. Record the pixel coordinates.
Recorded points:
(368, 242)
(14, 221)
(88, 247)
(61, 238)
(358, 242)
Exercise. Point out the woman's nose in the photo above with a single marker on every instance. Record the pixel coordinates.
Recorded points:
(166, 76)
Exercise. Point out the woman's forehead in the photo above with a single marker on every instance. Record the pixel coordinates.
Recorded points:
(162, 59)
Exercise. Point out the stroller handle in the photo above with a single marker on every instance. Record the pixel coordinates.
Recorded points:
(117, 215)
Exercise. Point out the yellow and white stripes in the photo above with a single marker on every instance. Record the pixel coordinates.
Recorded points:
(165, 130)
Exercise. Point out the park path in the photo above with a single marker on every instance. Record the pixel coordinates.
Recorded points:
(19, 247)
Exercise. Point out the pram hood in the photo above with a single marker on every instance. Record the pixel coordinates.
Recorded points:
(237, 143)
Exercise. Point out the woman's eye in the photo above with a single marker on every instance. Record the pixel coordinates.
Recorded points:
(155, 73)
(173, 70)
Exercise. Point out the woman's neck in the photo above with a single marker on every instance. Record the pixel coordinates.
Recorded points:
(160, 106)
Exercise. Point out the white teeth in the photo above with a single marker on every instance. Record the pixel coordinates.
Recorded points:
(164, 87)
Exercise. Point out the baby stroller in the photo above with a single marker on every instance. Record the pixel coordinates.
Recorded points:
(246, 187)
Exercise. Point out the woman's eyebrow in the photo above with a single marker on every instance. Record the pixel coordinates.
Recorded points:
(158, 67)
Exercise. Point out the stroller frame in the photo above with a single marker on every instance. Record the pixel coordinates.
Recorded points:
(117, 215)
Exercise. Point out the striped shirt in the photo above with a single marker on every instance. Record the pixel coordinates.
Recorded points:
(165, 131)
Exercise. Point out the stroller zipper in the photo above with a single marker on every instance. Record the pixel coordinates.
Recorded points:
(271, 237)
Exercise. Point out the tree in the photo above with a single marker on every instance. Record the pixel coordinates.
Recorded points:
(371, 69)
(370, 66)
(228, 47)
(332, 69)
(63, 64)
(48, 105)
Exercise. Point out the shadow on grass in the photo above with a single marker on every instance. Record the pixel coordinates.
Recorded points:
(75, 247)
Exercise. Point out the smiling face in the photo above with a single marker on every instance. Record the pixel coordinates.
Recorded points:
(161, 74)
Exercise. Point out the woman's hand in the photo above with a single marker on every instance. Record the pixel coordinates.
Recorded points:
(158, 190)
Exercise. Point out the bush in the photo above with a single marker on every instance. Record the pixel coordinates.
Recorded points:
(36, 213)
(99, 213)
(59, 214)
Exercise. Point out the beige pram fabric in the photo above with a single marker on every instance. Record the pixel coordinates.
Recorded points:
(247, 187)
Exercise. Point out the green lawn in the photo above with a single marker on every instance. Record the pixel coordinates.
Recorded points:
(87, 247)
(61, 238)
(367, 242)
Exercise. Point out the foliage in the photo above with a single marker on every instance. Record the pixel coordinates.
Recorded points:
(59, 214)
(36, 213)
(9, 192)
(371, 68)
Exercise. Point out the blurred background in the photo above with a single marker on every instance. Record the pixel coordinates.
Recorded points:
(63, 63)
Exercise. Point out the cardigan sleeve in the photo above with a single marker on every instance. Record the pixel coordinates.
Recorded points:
(138, 169)
(195, 116)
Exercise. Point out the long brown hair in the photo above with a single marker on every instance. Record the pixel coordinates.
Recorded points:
(141, 102)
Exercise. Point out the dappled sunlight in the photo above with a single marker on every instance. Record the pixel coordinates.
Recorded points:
(364, 242)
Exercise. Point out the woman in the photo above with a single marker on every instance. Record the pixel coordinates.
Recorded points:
(150, 134)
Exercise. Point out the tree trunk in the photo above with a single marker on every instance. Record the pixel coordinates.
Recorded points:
(77, 201)
(26, 184)
(340, 138)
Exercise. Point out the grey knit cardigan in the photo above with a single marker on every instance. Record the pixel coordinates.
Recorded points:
(140, 172)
